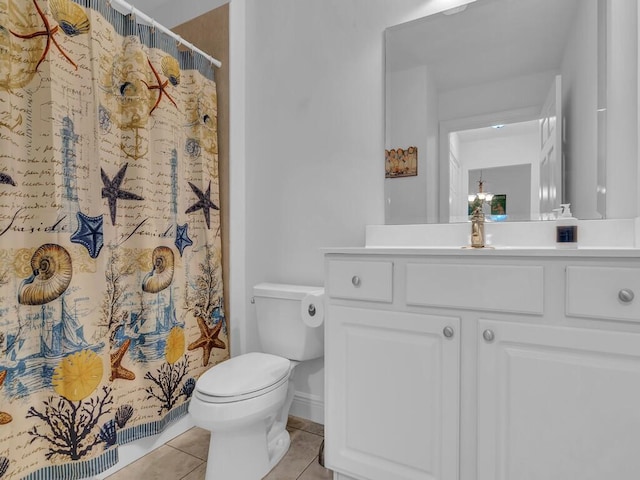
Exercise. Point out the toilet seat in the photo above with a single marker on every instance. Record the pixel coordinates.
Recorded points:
(243, 377)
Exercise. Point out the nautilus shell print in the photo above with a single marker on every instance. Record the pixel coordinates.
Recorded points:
(171, 69)
(162, 274)
(70, 16)
(51, 275)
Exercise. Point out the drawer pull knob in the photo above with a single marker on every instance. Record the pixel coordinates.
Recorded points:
(625, 295)
(355, 280)
(448, 332)
(488, 335)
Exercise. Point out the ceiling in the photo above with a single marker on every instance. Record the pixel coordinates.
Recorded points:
(489, 39)
(174, 12)
(530, 127)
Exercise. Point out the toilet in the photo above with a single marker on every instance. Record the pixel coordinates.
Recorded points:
(245, 400)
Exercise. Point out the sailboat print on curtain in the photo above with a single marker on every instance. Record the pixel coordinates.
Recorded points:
(50, 329)
(111, 301)
(53, 333)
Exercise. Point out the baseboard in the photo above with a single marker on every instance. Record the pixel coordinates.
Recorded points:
(309, 406)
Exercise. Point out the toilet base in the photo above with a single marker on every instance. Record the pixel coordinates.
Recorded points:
(247, 446)
(278, 446)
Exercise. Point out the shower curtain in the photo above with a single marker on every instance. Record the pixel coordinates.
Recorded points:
(110, 255)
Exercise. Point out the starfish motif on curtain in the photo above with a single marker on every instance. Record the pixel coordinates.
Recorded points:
(113, 192)
(204, 202)
(208, 340)
(49, 32)
(89, 233)
(182, 237)
(117, 370)
(160, 86)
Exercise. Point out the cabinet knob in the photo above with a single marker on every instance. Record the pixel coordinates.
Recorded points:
(355, 280)
(488, 335)
(448, 331)
(625, 295)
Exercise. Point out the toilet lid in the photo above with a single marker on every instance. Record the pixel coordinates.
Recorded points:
(243, 374)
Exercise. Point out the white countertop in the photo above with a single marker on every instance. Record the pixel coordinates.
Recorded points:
(596, 238)
(497, 251)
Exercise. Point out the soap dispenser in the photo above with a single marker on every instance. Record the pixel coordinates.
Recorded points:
(566, 228)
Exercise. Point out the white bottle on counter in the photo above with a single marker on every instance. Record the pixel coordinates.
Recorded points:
(566, 228)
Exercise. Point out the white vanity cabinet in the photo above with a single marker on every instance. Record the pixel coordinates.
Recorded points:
(558, 402)
(394, 379)
(489, 365)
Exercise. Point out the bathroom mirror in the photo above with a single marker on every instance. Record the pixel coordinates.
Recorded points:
(514, 87)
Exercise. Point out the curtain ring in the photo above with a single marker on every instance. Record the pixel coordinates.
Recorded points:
(133, 13)
(153, 26)
(178, 41)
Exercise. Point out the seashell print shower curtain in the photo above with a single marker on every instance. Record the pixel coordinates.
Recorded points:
(110, 259)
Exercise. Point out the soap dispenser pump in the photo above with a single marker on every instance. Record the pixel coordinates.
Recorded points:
(566, 228)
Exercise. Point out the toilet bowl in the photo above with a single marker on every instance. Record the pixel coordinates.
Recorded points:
(245, 400)
(241, 404)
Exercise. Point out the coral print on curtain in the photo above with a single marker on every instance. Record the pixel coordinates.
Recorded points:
(110, 263)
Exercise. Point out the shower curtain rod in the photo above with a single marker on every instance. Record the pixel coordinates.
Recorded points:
(128, 9)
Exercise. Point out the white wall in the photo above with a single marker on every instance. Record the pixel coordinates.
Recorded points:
(408, 97)
(579, 106)
(579, 73)
(314, 142)
(622, 113)
(412, 119)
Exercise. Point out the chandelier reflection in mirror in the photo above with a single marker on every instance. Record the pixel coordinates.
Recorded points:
(493, 206)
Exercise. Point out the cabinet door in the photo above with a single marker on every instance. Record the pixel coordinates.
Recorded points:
(557, 403)
(392, 388)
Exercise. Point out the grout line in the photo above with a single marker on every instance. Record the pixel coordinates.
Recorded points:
(315, 459)
(197, 467)
(181, 450)
(187, 453)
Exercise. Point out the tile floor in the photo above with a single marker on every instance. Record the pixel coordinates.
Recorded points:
(185, 457)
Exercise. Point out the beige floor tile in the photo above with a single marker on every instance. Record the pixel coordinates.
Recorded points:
(198, 473)
(315, 428)
(303, 451)
(306, 425)
(296, 422)
(164, 463)
(194, 441)
(315, 471)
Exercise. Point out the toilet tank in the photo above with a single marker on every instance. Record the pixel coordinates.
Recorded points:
(281, 328)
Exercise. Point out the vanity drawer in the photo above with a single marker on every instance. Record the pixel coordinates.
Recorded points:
(500, 288)
(357, 280)
(603, 292)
